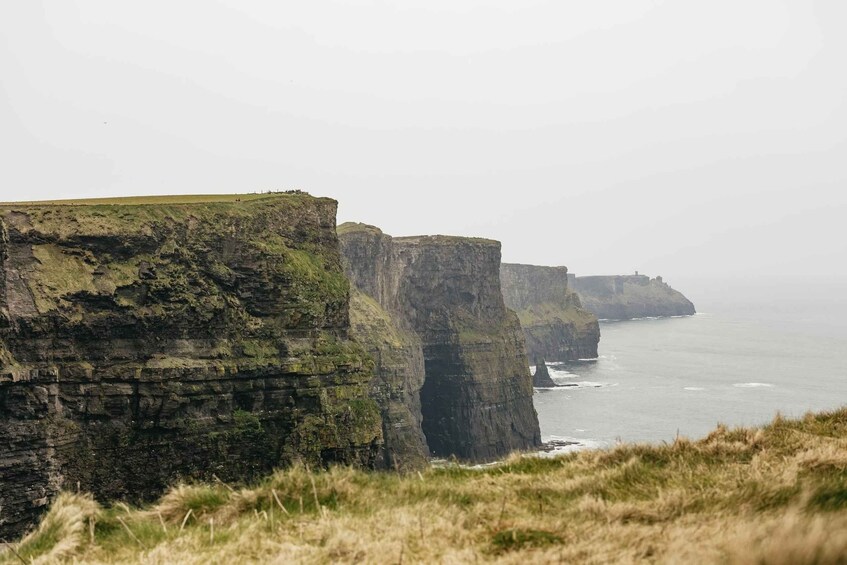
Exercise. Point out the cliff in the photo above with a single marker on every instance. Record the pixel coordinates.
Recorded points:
(556, 326)
(147, 341)
(624, 297)
(476, 391)
(400, 374)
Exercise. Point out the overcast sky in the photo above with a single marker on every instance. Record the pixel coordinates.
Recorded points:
(681, 138)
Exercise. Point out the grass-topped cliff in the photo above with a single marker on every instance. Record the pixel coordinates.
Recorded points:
(444, 293)
(556, 326)
(776, 494)
(623, 297)
(148, 340)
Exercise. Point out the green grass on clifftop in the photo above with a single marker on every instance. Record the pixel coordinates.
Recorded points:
(776, 494)
(147, 200)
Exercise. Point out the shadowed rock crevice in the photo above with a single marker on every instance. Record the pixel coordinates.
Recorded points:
(476, 394)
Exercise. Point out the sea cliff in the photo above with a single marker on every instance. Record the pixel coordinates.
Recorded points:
(624, 297)
(444, 294)
(148, 341)
(556, 326)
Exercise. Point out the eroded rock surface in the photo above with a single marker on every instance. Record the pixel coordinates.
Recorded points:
(444, 292)
(556, 326)
(145, 343)
(624, 297)
(541, 378)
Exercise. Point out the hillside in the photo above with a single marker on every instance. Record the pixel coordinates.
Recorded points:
(777, 494)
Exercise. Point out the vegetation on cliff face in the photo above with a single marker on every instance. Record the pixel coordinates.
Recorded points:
(148, 340)
(399, 375)
(556, 326)
(443, 295)
(777, 494)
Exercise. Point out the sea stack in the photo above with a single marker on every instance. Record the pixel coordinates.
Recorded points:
(541, 378)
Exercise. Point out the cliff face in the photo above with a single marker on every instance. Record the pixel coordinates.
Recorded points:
(631, 296)
(476, 395)
(556, 326)
(144, 343)
(399, 375)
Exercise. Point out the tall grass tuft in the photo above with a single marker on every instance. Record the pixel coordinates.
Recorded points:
(775, 494)
(63, 532)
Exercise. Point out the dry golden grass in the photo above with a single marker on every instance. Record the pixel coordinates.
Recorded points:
(771, 495)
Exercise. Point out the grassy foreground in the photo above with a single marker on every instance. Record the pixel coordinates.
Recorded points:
(772, 495)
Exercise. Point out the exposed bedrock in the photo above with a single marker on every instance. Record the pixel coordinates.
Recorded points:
(476, 392)
(556, 326)
(142, 344)
(623, 297)
(399, 376)
(541, 378)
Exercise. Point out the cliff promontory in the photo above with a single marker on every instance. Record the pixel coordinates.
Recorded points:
(624, 297)
(443, 295)
(143, 341)
(556, 326)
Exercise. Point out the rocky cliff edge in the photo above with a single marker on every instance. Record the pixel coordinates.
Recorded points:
(556, 326)
(144, 341)
(443, 294)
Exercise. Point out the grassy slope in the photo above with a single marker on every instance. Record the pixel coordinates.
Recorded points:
(544, 314)
(771, 495)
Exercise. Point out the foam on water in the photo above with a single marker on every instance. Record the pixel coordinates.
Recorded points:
(694, 388)
(575, 385)
(569, 445)
(561, 373)
(753, 385)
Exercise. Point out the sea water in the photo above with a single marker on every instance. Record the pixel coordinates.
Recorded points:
(753, 352)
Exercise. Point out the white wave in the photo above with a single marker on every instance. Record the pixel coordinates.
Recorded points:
(562, 374)
(580, 384)
(575, 386)
(568, 445)
(694, 388)
(753, 385)
(592, 384)
(588, 359)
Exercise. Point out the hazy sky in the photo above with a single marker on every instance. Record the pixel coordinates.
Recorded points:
(681, 138)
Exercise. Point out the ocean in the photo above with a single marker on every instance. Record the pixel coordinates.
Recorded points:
(753, 351)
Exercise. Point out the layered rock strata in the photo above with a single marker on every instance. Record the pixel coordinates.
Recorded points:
(444, 292)
(556, 326)
(625, 297)
(142, 344)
